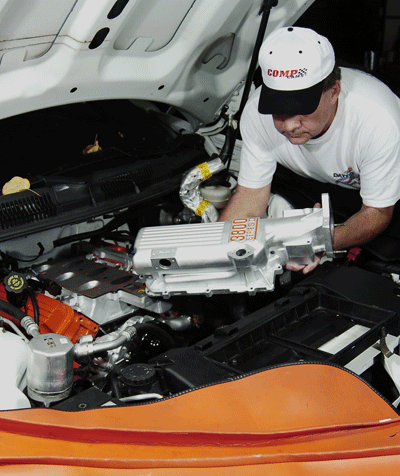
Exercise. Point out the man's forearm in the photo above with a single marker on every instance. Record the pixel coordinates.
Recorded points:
(362, 227)
(246, 202)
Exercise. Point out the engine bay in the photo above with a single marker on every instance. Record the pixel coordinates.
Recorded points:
(80, 331)
(118, 287)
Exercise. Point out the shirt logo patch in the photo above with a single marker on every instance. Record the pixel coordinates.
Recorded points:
(349, 177)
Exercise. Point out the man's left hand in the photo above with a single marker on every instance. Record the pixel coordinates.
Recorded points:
(304, 268)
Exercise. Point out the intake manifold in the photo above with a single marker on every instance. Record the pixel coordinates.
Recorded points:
(243, 255)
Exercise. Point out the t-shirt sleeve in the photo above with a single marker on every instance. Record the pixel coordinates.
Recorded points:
(380, 165)
(257, 165)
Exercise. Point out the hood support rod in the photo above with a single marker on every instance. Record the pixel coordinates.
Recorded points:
(231, 132)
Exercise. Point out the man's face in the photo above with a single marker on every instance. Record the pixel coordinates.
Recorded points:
(300, 129)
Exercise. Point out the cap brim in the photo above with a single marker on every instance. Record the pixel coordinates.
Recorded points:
(290, 103)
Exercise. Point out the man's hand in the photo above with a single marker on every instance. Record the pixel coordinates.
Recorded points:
(306, 268)
(360, 228)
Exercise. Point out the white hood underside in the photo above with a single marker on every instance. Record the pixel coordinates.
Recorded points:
(190, 54)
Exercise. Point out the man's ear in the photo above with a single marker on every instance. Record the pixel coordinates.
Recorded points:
(335, 91)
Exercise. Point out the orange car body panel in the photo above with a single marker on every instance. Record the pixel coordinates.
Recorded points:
(294, 419)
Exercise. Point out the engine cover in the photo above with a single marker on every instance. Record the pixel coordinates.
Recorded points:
(244, 255)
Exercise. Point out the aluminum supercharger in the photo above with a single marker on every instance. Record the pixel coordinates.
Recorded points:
(243, 255)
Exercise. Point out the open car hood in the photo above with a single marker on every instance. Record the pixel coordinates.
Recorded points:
(105, 106)
(191, 54)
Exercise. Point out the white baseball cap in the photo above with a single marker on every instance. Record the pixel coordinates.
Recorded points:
(294, 62)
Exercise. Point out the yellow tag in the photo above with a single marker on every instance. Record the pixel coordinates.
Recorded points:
(202, 206)
(205, 171)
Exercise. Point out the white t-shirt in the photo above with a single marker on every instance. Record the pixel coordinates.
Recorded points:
(361, 149)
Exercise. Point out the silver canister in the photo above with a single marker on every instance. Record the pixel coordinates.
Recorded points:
(50, 368)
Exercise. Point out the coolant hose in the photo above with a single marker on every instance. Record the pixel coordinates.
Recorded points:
(26, 321)
(12, 310)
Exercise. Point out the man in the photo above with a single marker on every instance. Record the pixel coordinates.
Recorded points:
(339, 126)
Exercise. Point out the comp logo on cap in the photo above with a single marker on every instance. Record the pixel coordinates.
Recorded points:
(294, 63)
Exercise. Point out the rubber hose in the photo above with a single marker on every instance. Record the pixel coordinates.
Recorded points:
(12, 310)
(35, 306)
